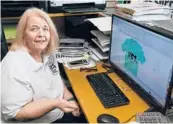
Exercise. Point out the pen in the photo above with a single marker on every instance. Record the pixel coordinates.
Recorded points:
(88, 69)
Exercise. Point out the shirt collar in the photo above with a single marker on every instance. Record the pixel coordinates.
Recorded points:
(31, 62)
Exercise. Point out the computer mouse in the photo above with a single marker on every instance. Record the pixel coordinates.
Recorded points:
(106, 118)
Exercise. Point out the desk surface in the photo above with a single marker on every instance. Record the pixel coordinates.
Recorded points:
(90, 103)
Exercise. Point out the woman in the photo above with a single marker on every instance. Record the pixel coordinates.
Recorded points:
(32, 89)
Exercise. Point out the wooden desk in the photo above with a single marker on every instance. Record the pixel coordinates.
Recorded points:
(90, 103)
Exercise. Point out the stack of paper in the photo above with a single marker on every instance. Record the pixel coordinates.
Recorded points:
(102, 36)
(145, 11)
(98, 53)
(143, 8)
(102, 48)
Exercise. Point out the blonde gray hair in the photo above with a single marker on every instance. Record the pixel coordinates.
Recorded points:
(20, 31)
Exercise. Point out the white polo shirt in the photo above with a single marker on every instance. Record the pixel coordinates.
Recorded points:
(23, 80)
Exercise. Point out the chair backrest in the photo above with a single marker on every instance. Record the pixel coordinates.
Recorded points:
(4, 45)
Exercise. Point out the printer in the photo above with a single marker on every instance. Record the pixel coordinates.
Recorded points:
(76, 6)
(17, 7)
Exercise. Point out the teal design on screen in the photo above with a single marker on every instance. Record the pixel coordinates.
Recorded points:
(134, 55)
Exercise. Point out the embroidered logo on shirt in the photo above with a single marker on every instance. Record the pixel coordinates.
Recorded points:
(53, 67)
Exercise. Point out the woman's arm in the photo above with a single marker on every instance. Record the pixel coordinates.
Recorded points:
(38, 108)
(67, 94)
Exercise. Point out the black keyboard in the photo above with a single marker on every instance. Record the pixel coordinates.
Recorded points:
(107, 91)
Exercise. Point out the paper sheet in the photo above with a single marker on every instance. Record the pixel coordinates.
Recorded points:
(102, 23)
(98, 53)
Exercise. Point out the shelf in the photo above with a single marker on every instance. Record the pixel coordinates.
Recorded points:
(59, 15)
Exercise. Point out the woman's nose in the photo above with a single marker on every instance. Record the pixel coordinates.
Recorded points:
(41, 33)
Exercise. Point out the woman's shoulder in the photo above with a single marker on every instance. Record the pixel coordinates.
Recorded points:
(14, 58)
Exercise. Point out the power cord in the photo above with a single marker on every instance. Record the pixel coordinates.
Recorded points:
(109, 71)
(129, 118)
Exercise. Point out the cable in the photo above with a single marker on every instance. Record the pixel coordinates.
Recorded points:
(107, 67)
(110, 71)
(129, 118)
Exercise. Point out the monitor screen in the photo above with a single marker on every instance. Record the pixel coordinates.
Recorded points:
(142, 55)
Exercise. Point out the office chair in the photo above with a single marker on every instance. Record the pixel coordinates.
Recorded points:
(4, 45)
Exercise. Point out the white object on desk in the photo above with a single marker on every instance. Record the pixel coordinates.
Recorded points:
(90, 64)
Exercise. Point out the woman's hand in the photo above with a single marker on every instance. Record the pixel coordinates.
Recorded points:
(76, 112)
(66, 106)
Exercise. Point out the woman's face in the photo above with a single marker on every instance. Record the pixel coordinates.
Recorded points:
(37, 34)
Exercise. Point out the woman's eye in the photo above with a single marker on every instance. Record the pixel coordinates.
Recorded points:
(45, 29)
(34, 29)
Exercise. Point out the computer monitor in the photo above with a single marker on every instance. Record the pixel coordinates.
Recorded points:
(144, 58)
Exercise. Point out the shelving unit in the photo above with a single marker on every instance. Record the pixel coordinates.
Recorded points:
(58, 19)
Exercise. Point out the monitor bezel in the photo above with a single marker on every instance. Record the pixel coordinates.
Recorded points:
(144, 94)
